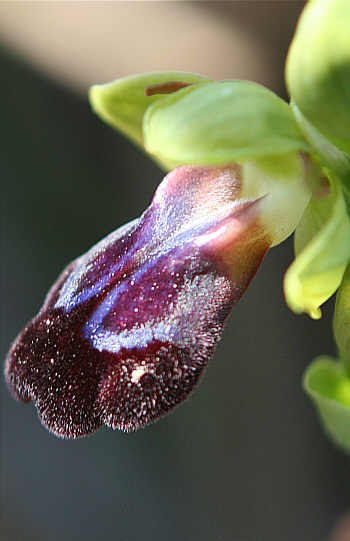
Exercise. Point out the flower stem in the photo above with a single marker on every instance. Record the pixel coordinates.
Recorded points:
(329, 153)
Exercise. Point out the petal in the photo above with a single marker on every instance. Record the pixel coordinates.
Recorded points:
(284, 181)
(126, 332)
(322, 247)
(220, 123)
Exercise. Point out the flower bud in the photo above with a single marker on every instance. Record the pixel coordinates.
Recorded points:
(125, 333)
(318, 67)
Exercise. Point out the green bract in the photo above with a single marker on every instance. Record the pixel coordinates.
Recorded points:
(318, 66)
(322, 247)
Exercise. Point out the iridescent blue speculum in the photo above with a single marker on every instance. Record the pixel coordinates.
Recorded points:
(127, 330)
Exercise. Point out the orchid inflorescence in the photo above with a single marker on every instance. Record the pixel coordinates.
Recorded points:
(127, 330)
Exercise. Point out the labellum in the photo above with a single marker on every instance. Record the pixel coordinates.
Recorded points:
(126, 331)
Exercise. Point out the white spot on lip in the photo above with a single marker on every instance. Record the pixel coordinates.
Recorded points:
(137, 373)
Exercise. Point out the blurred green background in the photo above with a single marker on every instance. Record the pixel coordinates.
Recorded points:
(245, 458)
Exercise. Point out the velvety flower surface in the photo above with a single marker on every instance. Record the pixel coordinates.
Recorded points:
(296, 156)
(126, 331)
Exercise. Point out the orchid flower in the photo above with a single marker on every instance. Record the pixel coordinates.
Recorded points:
(126, 331)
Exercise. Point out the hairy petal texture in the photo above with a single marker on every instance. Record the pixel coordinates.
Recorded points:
(126, 332)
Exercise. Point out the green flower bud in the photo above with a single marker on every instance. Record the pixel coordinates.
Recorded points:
(318, 67)
(326, 382)
(322, 247)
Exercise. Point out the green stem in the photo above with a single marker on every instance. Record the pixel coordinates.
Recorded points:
(330, 154)
(341, 321)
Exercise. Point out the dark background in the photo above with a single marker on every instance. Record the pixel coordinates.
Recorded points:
(245, 458)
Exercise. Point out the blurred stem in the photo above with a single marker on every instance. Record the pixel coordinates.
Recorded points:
(341, 322)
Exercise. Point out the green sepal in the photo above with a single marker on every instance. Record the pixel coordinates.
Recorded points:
(326, 382)
(322, 247)
(318, 67)
(221, 122)
(123, 103)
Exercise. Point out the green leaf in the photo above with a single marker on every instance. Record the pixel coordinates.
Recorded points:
(322, 247)
(327, 384)
(221, 122)
(123, 103)
(318, 67)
